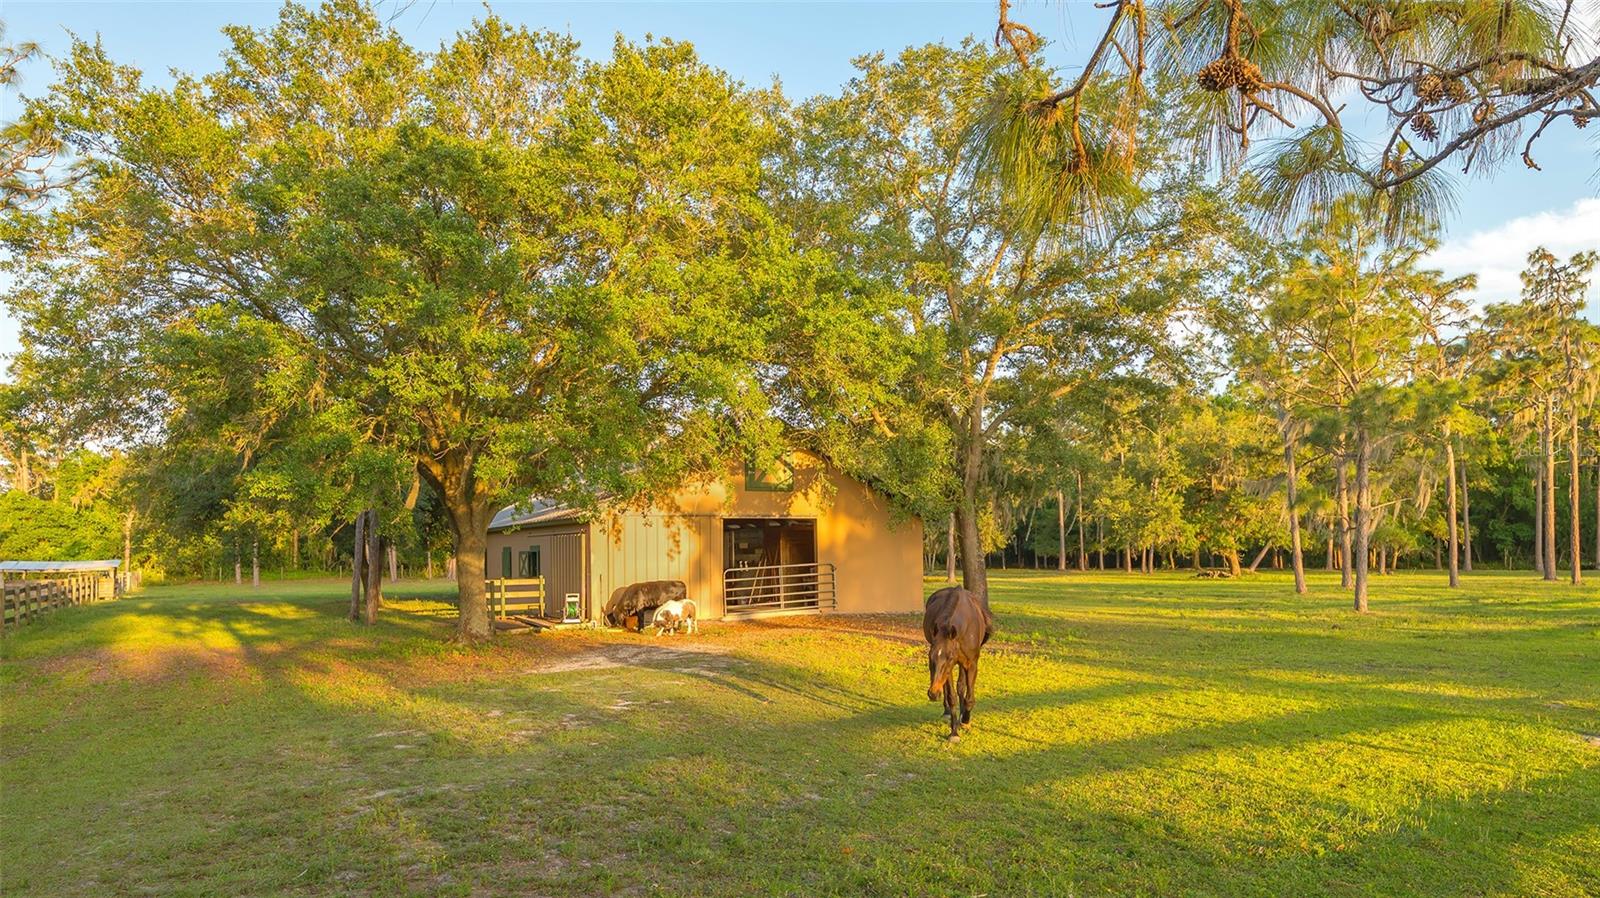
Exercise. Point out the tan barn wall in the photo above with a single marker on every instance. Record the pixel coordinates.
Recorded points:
(878, 560)
(632, 547)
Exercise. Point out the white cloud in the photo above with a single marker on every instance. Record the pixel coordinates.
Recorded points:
(1498, 255)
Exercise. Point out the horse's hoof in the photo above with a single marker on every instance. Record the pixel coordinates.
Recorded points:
(955, 737)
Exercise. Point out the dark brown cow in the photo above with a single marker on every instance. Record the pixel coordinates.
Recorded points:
(956, 624)
(639, 598)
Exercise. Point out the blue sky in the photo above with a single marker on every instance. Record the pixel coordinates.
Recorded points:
(809, 46)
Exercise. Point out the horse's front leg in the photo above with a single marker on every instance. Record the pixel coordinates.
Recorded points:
(955, 717)
(969, 686)
(950, 697)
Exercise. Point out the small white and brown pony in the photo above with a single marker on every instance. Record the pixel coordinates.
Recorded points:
(674, 614)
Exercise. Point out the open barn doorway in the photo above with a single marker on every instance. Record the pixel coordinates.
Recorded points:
(770, 565)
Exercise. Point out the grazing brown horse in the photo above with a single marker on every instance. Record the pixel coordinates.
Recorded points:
(956, 624)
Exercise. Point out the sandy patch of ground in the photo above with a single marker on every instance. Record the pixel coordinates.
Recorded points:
(145, 665)
(680, 654)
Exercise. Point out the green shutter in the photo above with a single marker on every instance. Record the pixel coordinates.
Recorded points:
(505, 562)
(528, 563)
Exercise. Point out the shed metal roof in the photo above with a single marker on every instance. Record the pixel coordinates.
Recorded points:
(108, 564)
(540, 512)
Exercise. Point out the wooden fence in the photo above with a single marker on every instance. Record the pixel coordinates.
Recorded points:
(509, 597)
(25, 600)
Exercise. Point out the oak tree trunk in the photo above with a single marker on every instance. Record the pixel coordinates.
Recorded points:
(974, 567)
(1466, 519)
(470, 529)
(255, 563)
(974, 570)
(452, 475)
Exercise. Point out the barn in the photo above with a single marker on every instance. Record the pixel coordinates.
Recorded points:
(800, 538)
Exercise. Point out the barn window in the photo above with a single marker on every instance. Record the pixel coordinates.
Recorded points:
(528, 564)
(505, 562)
(777, 478)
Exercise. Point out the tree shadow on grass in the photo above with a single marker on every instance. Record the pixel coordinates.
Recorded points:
(977, 799)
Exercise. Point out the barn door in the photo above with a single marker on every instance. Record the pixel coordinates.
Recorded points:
(563, 572)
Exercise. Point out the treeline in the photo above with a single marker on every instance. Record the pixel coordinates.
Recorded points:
(1370, 418)
(457, 278)
(58, 508)
(1094, 522)
(82, 504)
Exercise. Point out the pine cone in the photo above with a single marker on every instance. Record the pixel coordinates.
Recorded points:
(1249, 78)
(1228, 71)
(1456, 90)
(1216, 76)
(1430, 88)
(1426, 128)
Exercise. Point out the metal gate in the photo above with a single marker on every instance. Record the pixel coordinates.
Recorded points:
(776, 588)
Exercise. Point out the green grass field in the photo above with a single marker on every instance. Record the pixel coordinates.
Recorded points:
(1133, 736)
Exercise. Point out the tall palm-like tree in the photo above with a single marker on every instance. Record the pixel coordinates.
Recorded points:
(1456, 82)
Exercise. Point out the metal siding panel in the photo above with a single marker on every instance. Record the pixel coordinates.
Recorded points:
(566, 572)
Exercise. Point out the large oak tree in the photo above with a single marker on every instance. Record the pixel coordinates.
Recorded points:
(525, 273)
